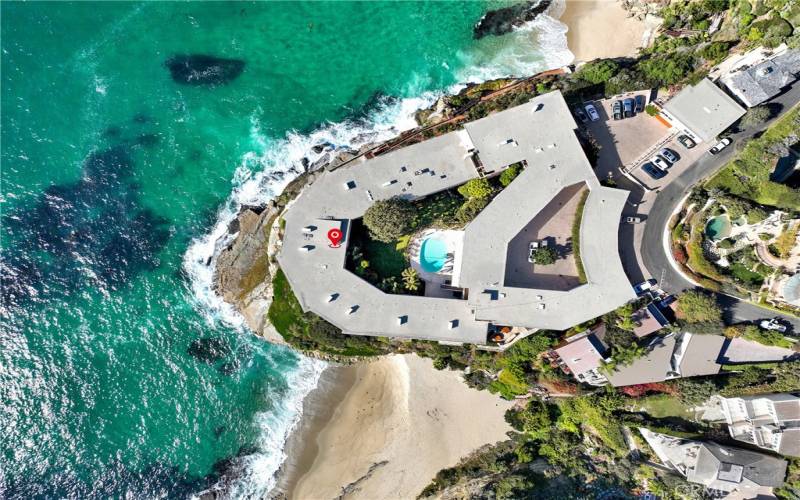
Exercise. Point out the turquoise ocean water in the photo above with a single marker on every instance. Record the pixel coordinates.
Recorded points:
(117, 182)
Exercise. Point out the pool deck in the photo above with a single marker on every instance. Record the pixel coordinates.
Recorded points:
(540, 133)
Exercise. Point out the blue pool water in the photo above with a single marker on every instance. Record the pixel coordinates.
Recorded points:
(432, 255)
(718, 228)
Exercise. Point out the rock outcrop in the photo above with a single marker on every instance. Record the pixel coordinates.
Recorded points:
(504, 20)
(204, 70)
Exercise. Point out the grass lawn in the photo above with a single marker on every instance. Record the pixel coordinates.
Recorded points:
(284, 310)
(664, 405)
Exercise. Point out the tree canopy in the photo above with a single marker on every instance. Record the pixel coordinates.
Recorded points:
(387, 220)
(698, 307)
(476, 188)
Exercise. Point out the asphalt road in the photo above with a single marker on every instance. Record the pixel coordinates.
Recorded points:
(652, 251)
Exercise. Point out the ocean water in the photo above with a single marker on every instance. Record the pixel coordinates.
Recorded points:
(121, 373)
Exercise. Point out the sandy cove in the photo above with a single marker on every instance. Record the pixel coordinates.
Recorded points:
(603, 28)
(384, 429)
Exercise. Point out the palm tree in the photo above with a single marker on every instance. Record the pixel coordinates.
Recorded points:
(410, 279)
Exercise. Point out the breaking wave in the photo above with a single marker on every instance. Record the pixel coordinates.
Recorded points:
(272, 163)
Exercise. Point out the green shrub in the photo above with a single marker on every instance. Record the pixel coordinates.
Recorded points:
(510, 174)
(651, 110)
(598, 71)
(576, 237)
(667, 70)
(476, 188)
(699, 307)
(470, 209)
(714, 52)
(726, 244)
(756, 116)
(544, 256)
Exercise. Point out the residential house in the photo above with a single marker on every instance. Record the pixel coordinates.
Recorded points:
(583, 357)
(770, 421)
(760, 82)
(647, 320)
(701, 111)
(672, 356)
(725, 472)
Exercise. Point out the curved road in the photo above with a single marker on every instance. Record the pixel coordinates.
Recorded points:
(652, 250)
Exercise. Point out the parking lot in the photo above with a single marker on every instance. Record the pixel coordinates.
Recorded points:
(623, 142)
(629, 143)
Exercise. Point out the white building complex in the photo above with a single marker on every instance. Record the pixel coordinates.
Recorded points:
(482, 265)
(770, 421)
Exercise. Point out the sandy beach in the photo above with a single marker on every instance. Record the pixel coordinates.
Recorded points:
(383, 430)
(602, 28)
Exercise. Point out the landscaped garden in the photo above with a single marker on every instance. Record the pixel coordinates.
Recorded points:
(738, 229)
(378, 249)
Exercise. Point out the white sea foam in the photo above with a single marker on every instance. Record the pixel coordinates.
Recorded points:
(264, 172)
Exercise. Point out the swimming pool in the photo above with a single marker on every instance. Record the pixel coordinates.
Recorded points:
(718, 228)
(432, 255)
(791, 290)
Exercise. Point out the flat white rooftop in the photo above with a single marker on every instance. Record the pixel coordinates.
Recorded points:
(542, 134)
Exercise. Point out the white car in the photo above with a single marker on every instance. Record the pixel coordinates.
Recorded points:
(772, 324)
(592, 112)
(660, 162)
(535, 245)
(633, 220)
(724, 143)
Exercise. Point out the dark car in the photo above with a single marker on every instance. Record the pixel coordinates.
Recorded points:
(617, 109)
(653, 171)
(580, 115)
(686, 141)
(639, 99)
(627, 106)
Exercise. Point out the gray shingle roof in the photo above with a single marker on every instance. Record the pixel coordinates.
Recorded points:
(761, 82)
(714, 463)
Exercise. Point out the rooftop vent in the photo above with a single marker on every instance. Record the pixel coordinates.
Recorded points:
(540, 306)
(389, 183)
(369, 195)
(509, 142)
(333, 297)
(350, 185)
(308, 229)
(765, 71)
(453, 323)
(306, 248)
(352, 309)
(402, 320)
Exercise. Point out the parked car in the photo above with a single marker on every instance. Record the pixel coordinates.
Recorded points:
(580, 115)
(653, 171)
(669, 155)
(772, 324)
(639, 99)
(686, 141)
(592, 112)
(617, 109)
(724, 143)
(633, 220)
(660, 162)
(627, 106)
(641, 288)
(533, 246)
